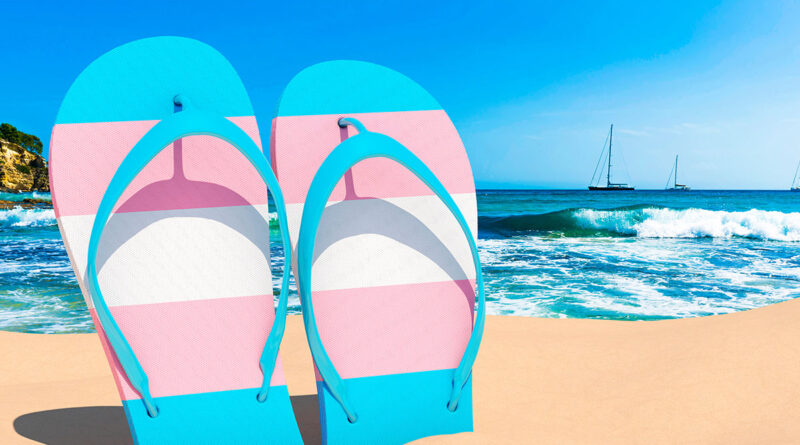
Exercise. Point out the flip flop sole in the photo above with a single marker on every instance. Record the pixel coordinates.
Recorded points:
(393, 276)
(184, 260)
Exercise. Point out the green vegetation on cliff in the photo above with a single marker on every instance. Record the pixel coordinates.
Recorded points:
(27, 141)
(22, 167)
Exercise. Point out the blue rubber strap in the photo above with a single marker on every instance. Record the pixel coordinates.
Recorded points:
(185, 123)
(353, 150)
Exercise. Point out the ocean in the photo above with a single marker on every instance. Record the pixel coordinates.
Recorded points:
(640, 255)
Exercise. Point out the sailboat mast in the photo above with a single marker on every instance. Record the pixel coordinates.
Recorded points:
(608, 174)
(676, 171)
(794, 181)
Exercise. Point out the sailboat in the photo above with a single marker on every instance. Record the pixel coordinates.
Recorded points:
(674, 174)
(610, 186)
(795, 184)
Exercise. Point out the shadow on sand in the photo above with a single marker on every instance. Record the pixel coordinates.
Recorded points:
(102, 425)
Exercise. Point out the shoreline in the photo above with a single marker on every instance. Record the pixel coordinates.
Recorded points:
(731, 378)
(26, 204)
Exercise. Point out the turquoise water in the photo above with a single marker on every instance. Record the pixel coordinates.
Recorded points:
(38, 291)
(639, 255)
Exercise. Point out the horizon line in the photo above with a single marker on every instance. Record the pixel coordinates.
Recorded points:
(531, 189)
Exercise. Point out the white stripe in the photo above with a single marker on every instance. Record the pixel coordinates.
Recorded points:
(393, 241)
(175, 255)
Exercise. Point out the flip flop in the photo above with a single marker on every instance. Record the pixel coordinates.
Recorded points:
(167, 229)
(389, 311)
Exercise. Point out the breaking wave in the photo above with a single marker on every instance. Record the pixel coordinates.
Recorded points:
(19, 217)
(649, 222)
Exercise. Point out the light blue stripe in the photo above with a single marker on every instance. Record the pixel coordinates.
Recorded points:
(137, 81)
(216, 417)
(349, 86)
(395, 409)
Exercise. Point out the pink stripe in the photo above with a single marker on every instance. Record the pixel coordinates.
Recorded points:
(301, 143)
(84, 157)
(196, 346)
(395, 329)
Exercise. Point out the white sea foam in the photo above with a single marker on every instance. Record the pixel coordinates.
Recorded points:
(694, 223)
(633, 278)
(19, 217)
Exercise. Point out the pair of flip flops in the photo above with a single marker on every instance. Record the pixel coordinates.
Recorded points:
(160, 189)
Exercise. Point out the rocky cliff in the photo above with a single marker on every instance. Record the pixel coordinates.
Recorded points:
(21, 170)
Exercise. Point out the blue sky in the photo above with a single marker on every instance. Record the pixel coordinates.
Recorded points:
(531, 86)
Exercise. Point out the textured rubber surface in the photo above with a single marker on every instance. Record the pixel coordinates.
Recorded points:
(184, 260)
(393, 276)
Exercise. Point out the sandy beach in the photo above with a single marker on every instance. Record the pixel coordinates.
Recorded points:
(722, 379)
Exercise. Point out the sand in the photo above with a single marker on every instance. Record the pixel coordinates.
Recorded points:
(723, 379)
